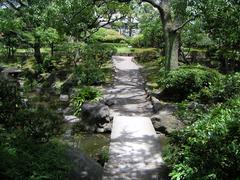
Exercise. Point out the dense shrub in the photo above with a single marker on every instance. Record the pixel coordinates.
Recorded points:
(10, 101)
(108, 35)
(89, 73)
(39, 123)
(99, 52)
(145, 55)
(209, 148)
(181, 83)
(23, 159)
(25, 149)
(137, 41)
(50, 63)
(220, 91)
(82, 95)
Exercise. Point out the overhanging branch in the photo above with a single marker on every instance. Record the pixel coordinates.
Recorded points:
(185, 23)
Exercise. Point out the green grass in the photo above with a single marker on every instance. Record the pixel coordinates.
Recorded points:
(122, 50)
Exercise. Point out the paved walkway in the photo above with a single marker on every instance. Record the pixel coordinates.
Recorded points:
(135, 152)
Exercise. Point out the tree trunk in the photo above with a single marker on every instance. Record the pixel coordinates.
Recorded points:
(52, 48)
(12, 51)
(171, 49)
(130, 26)
(171, 36)
(9, 52)
(37, 52)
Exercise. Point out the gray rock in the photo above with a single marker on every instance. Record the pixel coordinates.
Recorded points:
(109, 102)
(66, 111)
(156, 104)
(59, 110)
(83, 167)
(12, 70)
(64, 98)
(96, 115)
(193, 105)
(71, 119)
(165, 122)
(162, 106)
(105, 128)
(39, 90)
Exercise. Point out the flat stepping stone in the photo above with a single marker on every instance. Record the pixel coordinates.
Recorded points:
(134, 150)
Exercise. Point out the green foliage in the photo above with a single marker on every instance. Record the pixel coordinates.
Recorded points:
(31, 69)
(151, 27)
(82, 95)
(89, 71)
(209, 148)
(39, 123)
(108, 36)
(137, 41)
(23, 159)
(148, 54)
(50, 63)
(10, 101)
(220, 17)
(220, 91)
(194, 36)
(181, 83)
(99, 52)
(25, 149)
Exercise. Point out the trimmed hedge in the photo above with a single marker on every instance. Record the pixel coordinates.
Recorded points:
(147, 54)
(181, 83)
(108, 36)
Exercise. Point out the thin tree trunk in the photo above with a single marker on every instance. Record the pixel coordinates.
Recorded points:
(52, 48)
(37, 52)
(12, 51)
(9, 52)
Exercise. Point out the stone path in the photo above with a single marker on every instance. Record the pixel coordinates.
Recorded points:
(135, 152)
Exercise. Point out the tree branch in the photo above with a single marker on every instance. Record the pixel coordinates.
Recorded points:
(103, 25)
(12, 5)
(185, 23)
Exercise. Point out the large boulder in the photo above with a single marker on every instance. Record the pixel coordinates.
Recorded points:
(162, 106)
(165, 122)
(97, 116)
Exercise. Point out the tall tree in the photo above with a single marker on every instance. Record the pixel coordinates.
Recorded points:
(31, 14)
(173, 15)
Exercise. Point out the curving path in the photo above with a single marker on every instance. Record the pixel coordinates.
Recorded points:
(135, 152)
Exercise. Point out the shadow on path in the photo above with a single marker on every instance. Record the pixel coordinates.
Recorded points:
(128, 91)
